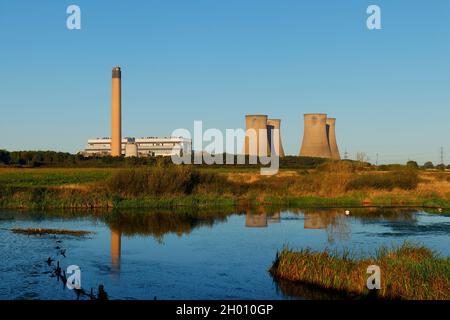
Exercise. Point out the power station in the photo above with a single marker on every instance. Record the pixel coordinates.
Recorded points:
(262, 136)
(117, 146)
(259, 139)
(319, 137)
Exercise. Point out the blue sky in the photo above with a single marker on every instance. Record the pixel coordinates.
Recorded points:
(216, 61)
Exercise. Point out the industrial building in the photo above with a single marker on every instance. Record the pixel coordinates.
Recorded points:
(258, 136)
(141, 147)
(319, 138)
(117, 146)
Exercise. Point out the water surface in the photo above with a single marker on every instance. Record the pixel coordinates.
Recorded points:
(195, 255)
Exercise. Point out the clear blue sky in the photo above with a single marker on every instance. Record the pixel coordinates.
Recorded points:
(217, 60)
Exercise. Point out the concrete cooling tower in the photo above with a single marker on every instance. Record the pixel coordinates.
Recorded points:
(275, 145)
(116, 123)
(315, 139)
(331, 133)
(256, 129)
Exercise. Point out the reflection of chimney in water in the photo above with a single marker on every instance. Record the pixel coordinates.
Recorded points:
(115, 249)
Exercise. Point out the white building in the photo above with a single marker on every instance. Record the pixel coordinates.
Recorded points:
(146, 147)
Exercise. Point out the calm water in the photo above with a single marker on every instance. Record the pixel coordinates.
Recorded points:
(188, 255)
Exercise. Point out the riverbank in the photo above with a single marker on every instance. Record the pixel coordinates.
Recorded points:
(408, 272)
(336, 185)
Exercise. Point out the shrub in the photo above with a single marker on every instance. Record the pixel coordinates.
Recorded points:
(412, 165)
(5, 157)
(164, 179)
(428, 165)
(404, 179)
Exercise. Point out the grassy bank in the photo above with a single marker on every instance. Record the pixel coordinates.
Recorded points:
(338, 184)
(408, 272)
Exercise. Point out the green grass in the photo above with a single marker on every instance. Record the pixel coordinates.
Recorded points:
(305, 202)
(407, 272)
(52, 177)
(168, 185)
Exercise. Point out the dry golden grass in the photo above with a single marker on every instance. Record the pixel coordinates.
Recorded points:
(250, 177)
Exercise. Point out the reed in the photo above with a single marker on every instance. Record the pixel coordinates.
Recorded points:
(407, 272)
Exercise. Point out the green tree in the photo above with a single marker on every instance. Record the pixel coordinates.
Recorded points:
(428, 165)
(5, 157)
(412, 165)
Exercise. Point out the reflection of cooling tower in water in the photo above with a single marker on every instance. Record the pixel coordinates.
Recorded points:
(275, 218)
(115, 249)
(116, 123)
(276, 145)
(255, 220)
(315, 140)
(331, 133)
(256, 136)
(318, 219)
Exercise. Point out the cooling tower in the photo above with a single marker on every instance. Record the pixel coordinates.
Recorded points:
(256, 129)
(315, 140)
(331, 133)
(116, 125)
(277, 145)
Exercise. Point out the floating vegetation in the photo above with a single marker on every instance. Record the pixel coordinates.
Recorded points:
(42, 231)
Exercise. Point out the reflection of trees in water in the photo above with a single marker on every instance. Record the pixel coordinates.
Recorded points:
(302, 291)
(157, 223)
(368, 215)
(338, 226)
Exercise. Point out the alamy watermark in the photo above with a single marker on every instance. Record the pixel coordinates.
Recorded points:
(74, 277)
(73, 21)
(261, 146)
(374, 20)
(374, 280)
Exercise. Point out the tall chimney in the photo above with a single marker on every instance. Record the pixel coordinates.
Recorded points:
(331, 132)
(116, 125)
(315, 139)
(277, 145)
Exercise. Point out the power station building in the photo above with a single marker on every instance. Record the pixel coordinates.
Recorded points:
(117, 146)
(140, 147)
(319, 138)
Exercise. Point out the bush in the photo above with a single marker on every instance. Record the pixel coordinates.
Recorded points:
(428, 165)
(412, 165)
(164, 179)
(405, 179)
(5, 157)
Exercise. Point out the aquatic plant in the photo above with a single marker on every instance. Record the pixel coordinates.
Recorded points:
(407, 272)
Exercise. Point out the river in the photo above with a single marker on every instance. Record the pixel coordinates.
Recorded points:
(149, 254)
